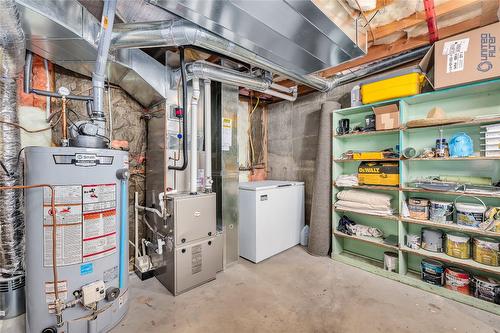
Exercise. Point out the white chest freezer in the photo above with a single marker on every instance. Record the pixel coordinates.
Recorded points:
(271, 217)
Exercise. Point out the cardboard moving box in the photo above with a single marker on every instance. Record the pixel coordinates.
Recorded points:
(386, 117)
(469, 57)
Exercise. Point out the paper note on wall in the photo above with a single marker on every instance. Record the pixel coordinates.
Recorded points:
(227, 133)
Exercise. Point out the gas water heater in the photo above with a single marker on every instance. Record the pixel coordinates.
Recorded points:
(91, 201)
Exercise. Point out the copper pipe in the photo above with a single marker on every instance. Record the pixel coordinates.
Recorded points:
(64, 123)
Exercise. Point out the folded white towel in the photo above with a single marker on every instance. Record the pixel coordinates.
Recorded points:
(347, 180)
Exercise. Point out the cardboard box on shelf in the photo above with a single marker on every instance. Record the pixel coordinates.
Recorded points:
(472, 56)
(386, 117)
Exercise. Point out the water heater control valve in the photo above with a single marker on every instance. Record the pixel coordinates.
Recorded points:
(93, 293)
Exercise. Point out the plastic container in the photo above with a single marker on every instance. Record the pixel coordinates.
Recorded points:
(432, 240)
(458, 245)
(487, 289)
(469, 214)
(432, 271)
(418, 208)
(486, 251)
(304, 236)
(441, 212)
(457, 279)
(402, 83)
(391, 261)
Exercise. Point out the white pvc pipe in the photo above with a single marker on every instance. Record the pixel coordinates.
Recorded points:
(208, 137)
(194, 136)
(136, 228)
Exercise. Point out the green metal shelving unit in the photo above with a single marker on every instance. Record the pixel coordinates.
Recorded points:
(367, 254)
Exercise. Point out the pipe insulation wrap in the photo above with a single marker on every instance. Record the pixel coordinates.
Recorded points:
(12, 48)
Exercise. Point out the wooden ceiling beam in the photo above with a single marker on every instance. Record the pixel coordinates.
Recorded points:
(378, 52)
(419, 17)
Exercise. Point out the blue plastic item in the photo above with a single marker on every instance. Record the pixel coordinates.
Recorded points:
(461, 145)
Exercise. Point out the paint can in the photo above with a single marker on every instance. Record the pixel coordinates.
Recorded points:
(391, 261)
(458, 245)
(418, 208)
(486, 251)
(469, 214)
(457, 279)
(432, 272)
(413, 241)
(432, 240)
(484, 288)
(441, 211)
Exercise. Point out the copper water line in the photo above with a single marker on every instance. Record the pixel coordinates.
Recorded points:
(54, 233)
(64, 122)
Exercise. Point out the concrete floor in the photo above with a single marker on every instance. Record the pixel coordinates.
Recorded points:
(295, 292)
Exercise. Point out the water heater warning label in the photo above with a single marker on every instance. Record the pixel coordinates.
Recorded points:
(68, 209)
(99, 221)
(99, 234)
(86, 223)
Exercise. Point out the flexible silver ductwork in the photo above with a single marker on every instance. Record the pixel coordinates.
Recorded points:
(12, 48)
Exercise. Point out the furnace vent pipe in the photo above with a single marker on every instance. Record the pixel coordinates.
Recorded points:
(208, 135)
(12, 48)
(108, 17)
(194, 136)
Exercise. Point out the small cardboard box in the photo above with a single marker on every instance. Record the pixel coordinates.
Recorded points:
(386, 117)
(469, 57)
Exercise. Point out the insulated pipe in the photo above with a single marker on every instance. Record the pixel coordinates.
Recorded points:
(184, 119)
(12, 48)
(29, 90)
(194, 136)
(108, 17)
(136, 228)
(208, 136)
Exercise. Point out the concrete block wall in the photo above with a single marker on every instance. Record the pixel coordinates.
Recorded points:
(293, 137)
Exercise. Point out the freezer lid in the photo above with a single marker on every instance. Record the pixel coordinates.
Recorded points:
(268, 184)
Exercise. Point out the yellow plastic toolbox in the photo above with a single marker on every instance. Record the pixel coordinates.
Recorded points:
(393, 86)
(368, 155)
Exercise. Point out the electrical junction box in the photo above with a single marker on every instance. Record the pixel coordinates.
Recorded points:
(93, 293)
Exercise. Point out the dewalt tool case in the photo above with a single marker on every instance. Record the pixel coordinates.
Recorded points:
(378, 173)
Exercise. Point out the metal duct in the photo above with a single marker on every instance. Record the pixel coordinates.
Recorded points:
(182, 33)
(108, 17)
(12, 48)
(208, 71)
(66, 34)
(205, 70)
